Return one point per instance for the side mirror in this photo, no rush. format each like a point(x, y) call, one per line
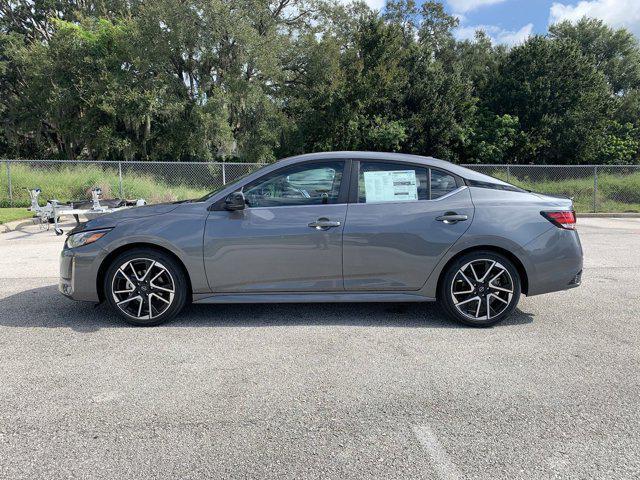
point(235, 201)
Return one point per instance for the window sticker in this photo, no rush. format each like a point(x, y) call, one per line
point(391, 186)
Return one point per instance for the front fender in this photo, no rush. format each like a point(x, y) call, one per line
point(179, 232)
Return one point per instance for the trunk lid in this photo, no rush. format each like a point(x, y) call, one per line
point(560, 201)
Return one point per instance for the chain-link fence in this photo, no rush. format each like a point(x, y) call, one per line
point(593, 188)
point(67, 180)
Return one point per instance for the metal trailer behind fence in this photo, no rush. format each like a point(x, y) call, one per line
point(156, 181)
point(594, 188)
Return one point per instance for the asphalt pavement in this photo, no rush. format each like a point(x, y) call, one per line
point(322, 391)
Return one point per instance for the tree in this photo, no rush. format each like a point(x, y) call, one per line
point(561, 100)
point(493, 138)
point(254, 80)
point(615, 53)
point(440, 97)
point(387, 91)
point(358, 101)
point(621, 144)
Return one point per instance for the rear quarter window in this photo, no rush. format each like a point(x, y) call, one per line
point(442, 183)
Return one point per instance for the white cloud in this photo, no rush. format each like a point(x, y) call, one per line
point(373, 4)
point(461, 18)
point(514, 37)
point(498, 35)
point(617, 13)
point(468, 5)
point(376, 4)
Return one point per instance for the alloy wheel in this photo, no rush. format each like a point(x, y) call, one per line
point(482, 289)
point(143, 289)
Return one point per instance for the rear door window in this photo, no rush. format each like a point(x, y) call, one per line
point(380, 182)
point(391, 182)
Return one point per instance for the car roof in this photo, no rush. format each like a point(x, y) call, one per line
point(401, 157)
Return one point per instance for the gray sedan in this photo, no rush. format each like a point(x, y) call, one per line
point(332, 227)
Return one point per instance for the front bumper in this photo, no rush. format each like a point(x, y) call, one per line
point(79, 272)
point(67, 266)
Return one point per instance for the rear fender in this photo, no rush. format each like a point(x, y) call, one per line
point(470, 243)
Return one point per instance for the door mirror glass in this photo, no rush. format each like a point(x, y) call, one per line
point(235, 201)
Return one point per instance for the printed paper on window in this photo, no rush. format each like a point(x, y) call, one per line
point(391, 186)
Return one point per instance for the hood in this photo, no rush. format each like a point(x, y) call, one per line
point(112, 219)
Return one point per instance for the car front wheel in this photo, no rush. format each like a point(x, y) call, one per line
point(146, 287)
point(480, 289)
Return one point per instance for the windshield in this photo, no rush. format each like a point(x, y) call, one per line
point(222, 187)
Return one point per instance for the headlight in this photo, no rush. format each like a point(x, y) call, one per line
point(85, 238)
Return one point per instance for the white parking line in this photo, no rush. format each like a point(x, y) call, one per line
point(439, 457)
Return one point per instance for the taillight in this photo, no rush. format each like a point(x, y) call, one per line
point(562, 219)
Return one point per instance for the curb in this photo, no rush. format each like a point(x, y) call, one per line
point(11, 226)
point(608, 215)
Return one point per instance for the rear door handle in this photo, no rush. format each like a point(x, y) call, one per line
point(451, 218)
point(324, 224)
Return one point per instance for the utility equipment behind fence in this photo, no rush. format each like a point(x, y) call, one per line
point(51, 212)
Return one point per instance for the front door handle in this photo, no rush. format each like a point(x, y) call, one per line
point(324, 224)
point(450, 218)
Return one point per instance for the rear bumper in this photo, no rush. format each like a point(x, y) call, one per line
point(555, 261)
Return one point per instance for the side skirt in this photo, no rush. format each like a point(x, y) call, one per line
point(309, 297)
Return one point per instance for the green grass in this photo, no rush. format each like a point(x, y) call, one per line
point(616, 193)
point(11, 214)
point(75, 182)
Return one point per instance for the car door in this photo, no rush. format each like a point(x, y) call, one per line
point(289, 236)
point(401, 220)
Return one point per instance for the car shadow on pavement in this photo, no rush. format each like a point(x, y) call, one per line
point(44, 307)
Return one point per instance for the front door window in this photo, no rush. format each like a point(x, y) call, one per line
point(306, 184)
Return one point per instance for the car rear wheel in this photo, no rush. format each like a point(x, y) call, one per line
point(146, 287)
point(480, 289)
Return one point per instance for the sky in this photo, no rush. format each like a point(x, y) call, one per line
point(511, 21)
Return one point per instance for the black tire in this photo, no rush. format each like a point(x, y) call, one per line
point(498, 309)
point(175, 279)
